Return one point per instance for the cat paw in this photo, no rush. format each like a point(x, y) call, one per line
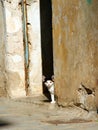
point(53, 101)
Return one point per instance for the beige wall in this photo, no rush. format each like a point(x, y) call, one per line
point(75, 37)
point(14, 50)
point(2, 53)
point(35, 65)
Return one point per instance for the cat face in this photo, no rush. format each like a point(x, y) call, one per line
point(49, 83)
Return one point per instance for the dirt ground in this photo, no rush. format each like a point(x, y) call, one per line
point(36, 113)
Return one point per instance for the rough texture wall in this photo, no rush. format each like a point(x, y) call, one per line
point(2, 53)
point(75, 37)
point(35, 67)
point(12, 59)
point(14, 49)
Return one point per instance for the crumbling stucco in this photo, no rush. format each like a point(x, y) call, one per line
point(85, 98)
point(75, 37)
point(35, 67)
point(2, 53)
point(14, 49)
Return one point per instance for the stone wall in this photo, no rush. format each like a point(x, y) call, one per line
point(15, 74)
point(75, 37)
point(35, 64)
point(14, 49)
point(2, 53)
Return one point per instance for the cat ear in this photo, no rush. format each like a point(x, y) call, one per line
point(52, 77)
point(46, 83)
point(43, 78)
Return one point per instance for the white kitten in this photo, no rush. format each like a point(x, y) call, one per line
point(50, 85)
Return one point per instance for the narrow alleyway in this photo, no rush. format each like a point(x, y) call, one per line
point(38, 114)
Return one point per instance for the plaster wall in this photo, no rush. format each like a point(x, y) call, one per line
point(2, 53)
point(14, 58)
point(35, 64)
point(75, 39)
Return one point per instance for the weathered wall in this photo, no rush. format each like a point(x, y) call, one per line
point(14, 49)
point(75, 37)
point(35, 67)
point(12, 59)
point(2, 53)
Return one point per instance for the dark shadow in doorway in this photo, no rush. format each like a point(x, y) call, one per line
point(46, 41)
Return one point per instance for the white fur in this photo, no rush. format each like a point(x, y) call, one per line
point(50, 85)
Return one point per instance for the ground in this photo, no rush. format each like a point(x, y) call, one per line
point(36, 113)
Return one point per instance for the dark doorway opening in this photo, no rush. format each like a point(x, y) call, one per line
point(46, 41)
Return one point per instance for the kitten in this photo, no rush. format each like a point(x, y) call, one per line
point(50, 85)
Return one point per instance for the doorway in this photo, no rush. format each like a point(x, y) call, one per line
point(46, 41)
